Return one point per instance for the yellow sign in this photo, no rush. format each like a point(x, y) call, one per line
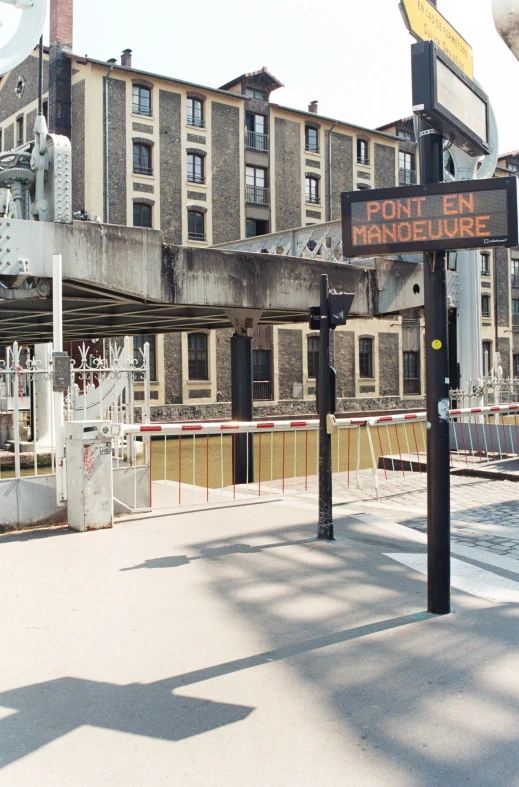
point(437, 345)
point(425, 22)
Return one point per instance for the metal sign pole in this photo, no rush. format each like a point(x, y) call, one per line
point(325, 530)
point(437, 398)
point(59, 434)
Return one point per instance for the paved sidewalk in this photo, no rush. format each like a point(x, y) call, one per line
point(228, 647)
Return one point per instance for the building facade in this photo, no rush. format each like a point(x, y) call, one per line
point(211, 165)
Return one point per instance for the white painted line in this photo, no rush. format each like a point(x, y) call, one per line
point(393, 527)
point(471, 579)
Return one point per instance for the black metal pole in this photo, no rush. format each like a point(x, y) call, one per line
point(241, 406)
point(437, 397)
point(325, 530)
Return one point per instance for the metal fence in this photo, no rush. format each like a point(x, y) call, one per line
point(488, 391)
point(195, 463)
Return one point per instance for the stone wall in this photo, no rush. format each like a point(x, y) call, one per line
point(385, 163)
point(223, 364)
point(78, 146)
point(503, 347)
point(342, 169)
point(287, 172)
point(10, 102)
point(502, 287)
point(117, 151)
point(345, 363)
point(292, 407)
point(173, 368)
point(388, 362)
point(225, 140)
point(290, 361)
point(170, 166)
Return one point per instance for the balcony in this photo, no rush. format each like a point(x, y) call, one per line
point(257, 195)
point(407, 177)
point(255, 141)
point(262, 390)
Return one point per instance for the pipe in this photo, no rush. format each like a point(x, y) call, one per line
point(330, 202)
point(107, 160)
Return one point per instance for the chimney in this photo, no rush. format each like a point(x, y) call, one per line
point(312, 107)
point(126, 58)
point(60, 67)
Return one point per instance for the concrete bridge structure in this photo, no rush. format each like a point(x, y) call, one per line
point(122, 280)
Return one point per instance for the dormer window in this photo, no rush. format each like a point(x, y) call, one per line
point(253, 92)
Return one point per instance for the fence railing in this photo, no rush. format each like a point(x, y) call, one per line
point(258, 195)
point(262, 390)
point(256, 141)
point(196, 462)
point(488, 391)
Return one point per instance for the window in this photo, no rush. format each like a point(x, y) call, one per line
point(46, 110)
point(411, 373)
point(195, 112)
point(363, 186)
point(255, 132)
point(362, 151)
point(253, 93)
point(195, 168)
point(312, 190)
point(138, 352)
point(142, 158)
point(366, 357)
point(512, 167)
point(487, 358)
point(515, 312)
point(515, 272)
point(516, 365)
point(141, 100)
point(485, 264)
point(142, 215)
point(407, 174)
point(257, 227)
point(260, 365)
point(255, 178)
point(311, 139)
point(408, 135)
point(197, 356)
point(485, 305)
point(255, 123)
point(313, 356)
point(195, 225)
point(19, 131)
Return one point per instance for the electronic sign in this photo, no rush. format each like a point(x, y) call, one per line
point(450, 102)
point(470, 214)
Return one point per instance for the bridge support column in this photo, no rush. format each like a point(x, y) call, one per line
point(243, 320)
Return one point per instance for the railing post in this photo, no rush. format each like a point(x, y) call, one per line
point(57, 335)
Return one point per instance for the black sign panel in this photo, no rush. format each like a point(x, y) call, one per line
point(472, 214)
point(449, 101)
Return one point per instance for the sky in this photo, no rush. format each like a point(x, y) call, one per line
point(353, 56)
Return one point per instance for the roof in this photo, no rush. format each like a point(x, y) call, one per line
point(507, 155)
point(140, 72)
point(314, 115)
point(262, 72)
point(395, 122)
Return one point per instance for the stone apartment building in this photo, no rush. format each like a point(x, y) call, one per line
point(211, 165)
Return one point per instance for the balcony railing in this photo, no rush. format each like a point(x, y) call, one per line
point(141, 109)
point(262, 390)
point(312, 199)
point(196, 235)
point(258, 195)
point(363, 160)
point(407, 177)
point(139, 170)
point(198, 122)
point(195, 178)
point(256, 141)
point(310, 148)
